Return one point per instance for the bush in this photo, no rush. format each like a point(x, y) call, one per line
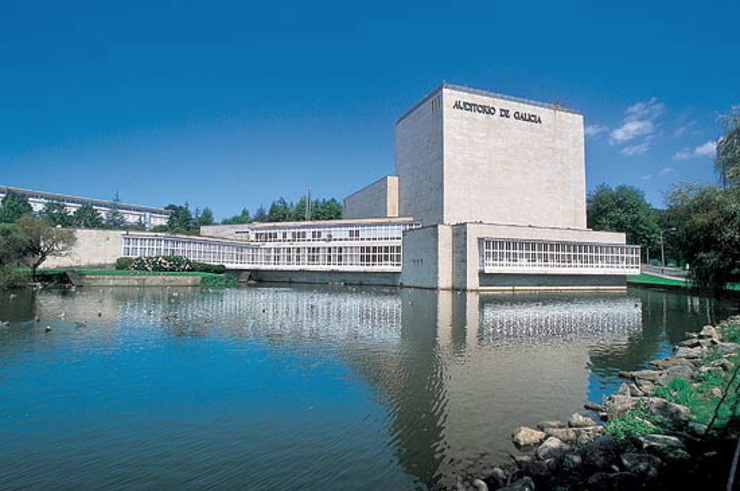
point(167, 263)
point(161, 263)
point(223, 281)
point(635, 422)
point(11, 277)
point(124, 262)
point(209, 268)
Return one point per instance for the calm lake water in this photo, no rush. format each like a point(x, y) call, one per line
point(269, 387)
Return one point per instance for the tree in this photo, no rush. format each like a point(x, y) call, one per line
point(114, 219)
point(180, 219)
point(44, 240)
point(13, 244)
point(206, 217)
point(299, 212)
point(56, 213)
point(242, 217)
point(707, 219)
point(260, 215)
point(13, 206)
point(624, 209)
point(280, 211)
point(13, 249)
point(326, 210)
point(87, 217)
point(727, 162)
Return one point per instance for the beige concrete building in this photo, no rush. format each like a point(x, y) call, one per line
point(489, 194)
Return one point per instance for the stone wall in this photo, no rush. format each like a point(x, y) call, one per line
point(501, 169)
point(427, 257)
point(419, 162)
point(93, 248)
point(377, 200)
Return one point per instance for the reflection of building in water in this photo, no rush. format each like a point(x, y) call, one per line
point(531, 322)
point(293, 314)
point(433, 358)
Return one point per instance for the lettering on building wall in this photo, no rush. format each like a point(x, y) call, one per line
point(501, 112)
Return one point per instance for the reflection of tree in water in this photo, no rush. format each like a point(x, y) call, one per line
point(412, 383)
point(666, 318)
point(17, 305)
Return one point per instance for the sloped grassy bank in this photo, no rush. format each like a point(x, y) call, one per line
point(675, 426)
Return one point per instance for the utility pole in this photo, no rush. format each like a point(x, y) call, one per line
point(308, 204)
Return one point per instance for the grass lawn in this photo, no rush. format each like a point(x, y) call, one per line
point(124, 272)
point(648, 279)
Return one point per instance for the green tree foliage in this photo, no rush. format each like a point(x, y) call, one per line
point(205, 217)
point(280, 211)
point(180, 219)
point(624, 209)
point(329, 209)
point(13, 244)
point(56, 213)
point(708, 232)
point(114, 219)
point(242, 217)
point(13, 206)
point(727, 163)
point(44, 240)
point(13, 249)
point(87, 217)
point(260, 215)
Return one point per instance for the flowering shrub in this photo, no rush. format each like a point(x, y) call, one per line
point(166, 264)
point(161, 263)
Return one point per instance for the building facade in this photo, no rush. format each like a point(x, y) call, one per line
point(134, 214)
point(489, 194)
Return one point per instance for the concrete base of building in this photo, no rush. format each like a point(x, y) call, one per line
point(508, 282)
point(322, 277)
point(135, 280)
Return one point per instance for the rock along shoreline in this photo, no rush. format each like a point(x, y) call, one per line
point(642, 441)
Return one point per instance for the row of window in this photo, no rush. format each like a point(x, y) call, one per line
point(94, 203)
point(384, 256)
point(391, 231)
point(503, 253)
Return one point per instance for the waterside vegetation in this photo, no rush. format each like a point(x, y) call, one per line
point(673, 426)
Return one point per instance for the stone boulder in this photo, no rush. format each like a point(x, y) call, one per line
point(618, 404)
point(724, 364)
point(567, 435)
point(584, 436)
point(523, 484)
point(601, 454)
point(524, 436)
point(679, 371)
point(553, 448)
point(651, 375)
point(689, 353)
point(550, 423)
point(708, 332)
point(661, 442)
point(670, 410)
point(641, 464)
point(617, 481)
point(670, 362)
point(578, 421)
point(728, 348)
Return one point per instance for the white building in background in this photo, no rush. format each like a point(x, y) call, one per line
point(489, 193)
point(133, 214)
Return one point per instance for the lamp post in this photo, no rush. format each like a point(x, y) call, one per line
point(662, 247)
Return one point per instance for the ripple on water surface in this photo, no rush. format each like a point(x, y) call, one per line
point(313, 387)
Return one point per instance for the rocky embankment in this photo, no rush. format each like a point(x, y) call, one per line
point(647, 441)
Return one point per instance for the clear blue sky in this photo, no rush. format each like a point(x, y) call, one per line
point(233, 104)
